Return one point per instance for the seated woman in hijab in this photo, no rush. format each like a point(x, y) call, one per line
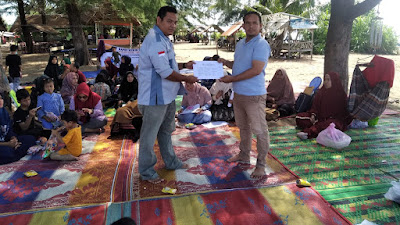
point(128, 90)
point(195, 105)
point(12, 147)
point(65, 67)
point(329, 106)
point(101, 87)
point(68, 88)
point(52, 70)
point(89, 108)
point(280, 94)
point(221, 109)
point(125, 66)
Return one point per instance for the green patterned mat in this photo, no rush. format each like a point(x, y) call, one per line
point(353, 179)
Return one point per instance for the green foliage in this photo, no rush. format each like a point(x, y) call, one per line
point(320, 34)
point(215, 36)
point(296, 7)
point(240, 34)
point(389, 41)
point(360, 37)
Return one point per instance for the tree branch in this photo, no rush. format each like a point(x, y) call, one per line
point(362, 8)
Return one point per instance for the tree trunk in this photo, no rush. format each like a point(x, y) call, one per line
point(24, 27)
point(80, 45)
point(343, 13)
point(338, 40)
point(42, 8)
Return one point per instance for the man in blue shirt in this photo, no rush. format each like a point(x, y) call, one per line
point(159, 83)
point(250, 61)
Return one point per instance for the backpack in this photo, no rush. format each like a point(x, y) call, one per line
point(303, 102)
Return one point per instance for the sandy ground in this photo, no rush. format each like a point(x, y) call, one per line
point(300, 71)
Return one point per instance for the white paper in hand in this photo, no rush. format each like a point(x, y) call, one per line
point(191, 109)
point(208, 70)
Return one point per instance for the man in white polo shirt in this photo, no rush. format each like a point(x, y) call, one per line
point(159, 83)
point(250, 61)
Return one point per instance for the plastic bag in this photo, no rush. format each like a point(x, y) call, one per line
point(357, 124)
point(334, 138)
point(394, 192)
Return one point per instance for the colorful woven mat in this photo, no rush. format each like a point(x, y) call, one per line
point(97, 177)
point(286, 204)
point(206, 151)
point(353, 179)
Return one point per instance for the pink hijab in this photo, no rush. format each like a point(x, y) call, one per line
point(68, 89)
point(200, 95)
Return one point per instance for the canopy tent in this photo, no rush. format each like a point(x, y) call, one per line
point(116, 41)
point(280, 27)
point(210, 29)
point(45, 28)
point(230, 43)
point(197, 29)
point(235, 27)
point(53, 22)
point(216, 27)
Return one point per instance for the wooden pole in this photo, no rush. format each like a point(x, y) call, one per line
point(130, 36)
point(95, 32)
point(312, 44)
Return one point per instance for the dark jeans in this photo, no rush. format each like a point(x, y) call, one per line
point(9, 155)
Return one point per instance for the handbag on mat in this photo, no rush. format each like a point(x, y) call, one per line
point(271, 114)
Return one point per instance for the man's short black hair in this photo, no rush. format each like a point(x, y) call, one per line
point(250, 13)
point(162, 12)
point(70, 115)
point(22, 94)
point(13, 48)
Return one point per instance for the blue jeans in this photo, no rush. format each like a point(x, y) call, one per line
point(203, 117)
point(158, 122)
point(16, 81)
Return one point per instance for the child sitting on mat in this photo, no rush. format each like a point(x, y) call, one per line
point(72, 140)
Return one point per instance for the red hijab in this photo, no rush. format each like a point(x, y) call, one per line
point(92, 100)
point(331, 102)
point(281, 89)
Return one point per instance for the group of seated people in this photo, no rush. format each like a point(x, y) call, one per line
point(329, 104)
point(60, 104)
point(79, 107)
point(212, 100)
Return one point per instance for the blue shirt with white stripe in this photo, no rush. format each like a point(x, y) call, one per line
point(156, 63)
point(256, 49)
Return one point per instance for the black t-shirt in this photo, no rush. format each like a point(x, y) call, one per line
point(19, 117)
point(13, 61)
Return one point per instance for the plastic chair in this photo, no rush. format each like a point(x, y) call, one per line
point(316, 82)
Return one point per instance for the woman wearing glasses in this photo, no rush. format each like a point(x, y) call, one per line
point(89, 108)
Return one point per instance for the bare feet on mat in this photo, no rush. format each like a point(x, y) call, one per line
point(302, 135)
point(258, 173)
point(156, 181)
point(237, 158)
